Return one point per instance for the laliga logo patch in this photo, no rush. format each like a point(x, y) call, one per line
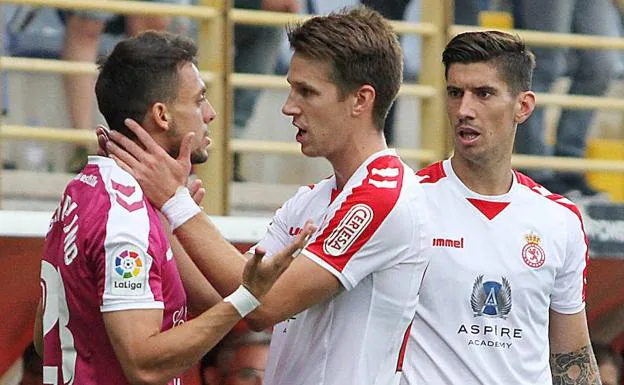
point(532, 253)
point(128, 264)
point(129, 273)
point(350, 228)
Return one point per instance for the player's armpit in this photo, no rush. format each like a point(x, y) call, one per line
point(572, 360)
point(577, 367)
point(302, 285)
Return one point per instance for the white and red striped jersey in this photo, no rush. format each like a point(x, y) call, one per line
point(105, 250)
point(369, 237)
point(498, 265)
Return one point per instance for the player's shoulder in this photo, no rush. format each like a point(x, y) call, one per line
point(431, 174)
point(126, 201)
point(553, 202)
point(387, 172)
point(104, 175)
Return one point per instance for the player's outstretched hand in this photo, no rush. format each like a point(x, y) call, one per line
point(260, 275)
point(157, 172)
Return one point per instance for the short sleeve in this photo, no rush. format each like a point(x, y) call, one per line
point(130, 251)
point(129, 278)
point(377, 226)
point(568, 296)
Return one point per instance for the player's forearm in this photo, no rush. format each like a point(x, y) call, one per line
point(200, 295)
point(168, 354)
point(578, 367)
point(216, 258)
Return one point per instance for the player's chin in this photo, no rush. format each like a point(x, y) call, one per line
point(468, 152)
point(310, 151)
point(199, 156)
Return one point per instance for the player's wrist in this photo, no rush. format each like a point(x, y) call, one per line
point(180, 208)
point(243, 301)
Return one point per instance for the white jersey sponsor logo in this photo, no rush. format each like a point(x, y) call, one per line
point(350, 228)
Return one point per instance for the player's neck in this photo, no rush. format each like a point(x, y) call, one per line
point(491, 179)
point(347, 161)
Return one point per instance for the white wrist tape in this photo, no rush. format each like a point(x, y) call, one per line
point(243, 301)
point(180, 208)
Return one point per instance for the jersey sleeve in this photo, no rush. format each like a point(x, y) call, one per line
point(129, 256)
point(568, 296)
point(372, 230)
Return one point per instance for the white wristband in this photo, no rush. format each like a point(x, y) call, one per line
point(180, 208)
point(243, 301)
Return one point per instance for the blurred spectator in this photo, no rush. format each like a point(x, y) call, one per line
point(591, 75)
point(240, 359)
point(609, 364)
point(256, 50)
point(83, 30)
point(465, 12)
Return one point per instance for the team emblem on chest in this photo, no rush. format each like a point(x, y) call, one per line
point(491, 298)
point(532, 253)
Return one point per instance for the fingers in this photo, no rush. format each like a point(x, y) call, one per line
point(302, 238)
point(102, 137)
point(259, 253)
point(252, 265)
point(197, 191)
point(186, 146)
point(119, 153)
point(293, 249)
point(143, 136)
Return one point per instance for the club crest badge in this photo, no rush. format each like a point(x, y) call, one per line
point(532, 253)
point(491, 298)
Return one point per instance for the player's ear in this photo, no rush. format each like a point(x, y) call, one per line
point(161, 116)
point(524, 106)
point(363, 100)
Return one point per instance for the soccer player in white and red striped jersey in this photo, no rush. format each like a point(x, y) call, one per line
point(343, 308)
point(114, 307)
point(503, 298)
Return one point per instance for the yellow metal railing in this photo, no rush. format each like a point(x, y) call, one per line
point(216, 19)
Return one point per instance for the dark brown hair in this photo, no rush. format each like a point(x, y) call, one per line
point(361, 47)
point(512, 58)
point(139, 72)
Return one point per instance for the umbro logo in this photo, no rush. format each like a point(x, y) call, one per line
point(448, 242)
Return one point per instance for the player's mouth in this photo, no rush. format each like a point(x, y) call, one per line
point(467, 135)
point(300, 133)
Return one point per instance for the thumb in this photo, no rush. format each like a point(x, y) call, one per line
point(259, 253)
point(185, 147)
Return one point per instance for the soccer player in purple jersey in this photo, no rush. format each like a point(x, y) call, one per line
point(115, 290)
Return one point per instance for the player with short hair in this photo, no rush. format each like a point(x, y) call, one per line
point(505, 288)
point(343, 309)
point(114, 307)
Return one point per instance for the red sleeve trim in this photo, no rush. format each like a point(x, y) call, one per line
point(432, 173)
point(561, 200)
point(361, 213)
point(401, 359)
